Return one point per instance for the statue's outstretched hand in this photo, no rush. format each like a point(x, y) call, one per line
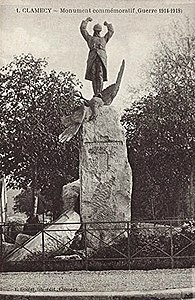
point(89, 19)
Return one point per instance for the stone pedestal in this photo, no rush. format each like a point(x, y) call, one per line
point(106, 178)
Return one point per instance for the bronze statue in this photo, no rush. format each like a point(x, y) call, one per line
point(97, 73)
point(97, 58)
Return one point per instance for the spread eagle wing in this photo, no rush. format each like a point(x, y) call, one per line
point(110, 92)
point(72, 124)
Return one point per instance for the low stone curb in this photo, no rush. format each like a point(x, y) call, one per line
point(169, 294)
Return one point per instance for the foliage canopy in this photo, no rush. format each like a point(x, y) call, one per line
point(32, 103)
point(160, 130)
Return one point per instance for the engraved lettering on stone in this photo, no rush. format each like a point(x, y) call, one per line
point(105, 143)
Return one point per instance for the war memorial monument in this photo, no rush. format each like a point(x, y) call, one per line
point(105, 179)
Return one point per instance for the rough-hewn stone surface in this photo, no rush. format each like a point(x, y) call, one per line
point(21, 238)
point(55, 236)
point(70, 196)
point(7, 248)
point(105, 175)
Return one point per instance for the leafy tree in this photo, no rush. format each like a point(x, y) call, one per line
point(24, 203)
point(161, 132)
point(32, 103)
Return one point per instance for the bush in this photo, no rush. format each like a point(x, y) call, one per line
point(156, 247)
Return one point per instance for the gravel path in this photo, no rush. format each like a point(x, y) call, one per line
point(101, 281)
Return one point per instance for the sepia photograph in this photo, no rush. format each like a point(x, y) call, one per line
point(97, 149)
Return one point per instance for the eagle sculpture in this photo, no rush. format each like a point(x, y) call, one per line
point(73, 122)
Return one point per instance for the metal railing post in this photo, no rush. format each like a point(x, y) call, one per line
point(43, 247)
point(171, 240)
point(85, 245)
point(128, 246)
point(1, 248)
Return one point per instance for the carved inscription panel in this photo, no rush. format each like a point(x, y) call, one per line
point(100, 155)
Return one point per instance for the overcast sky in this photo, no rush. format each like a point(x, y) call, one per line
point(56, 35)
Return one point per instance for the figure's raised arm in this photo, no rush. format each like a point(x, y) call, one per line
point(110, 31)
point(83, 28)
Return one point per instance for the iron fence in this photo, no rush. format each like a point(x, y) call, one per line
point(100, 245)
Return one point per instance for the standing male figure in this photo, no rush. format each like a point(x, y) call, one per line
point(97, 58)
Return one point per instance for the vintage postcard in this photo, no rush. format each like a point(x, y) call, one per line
point(97, 148)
